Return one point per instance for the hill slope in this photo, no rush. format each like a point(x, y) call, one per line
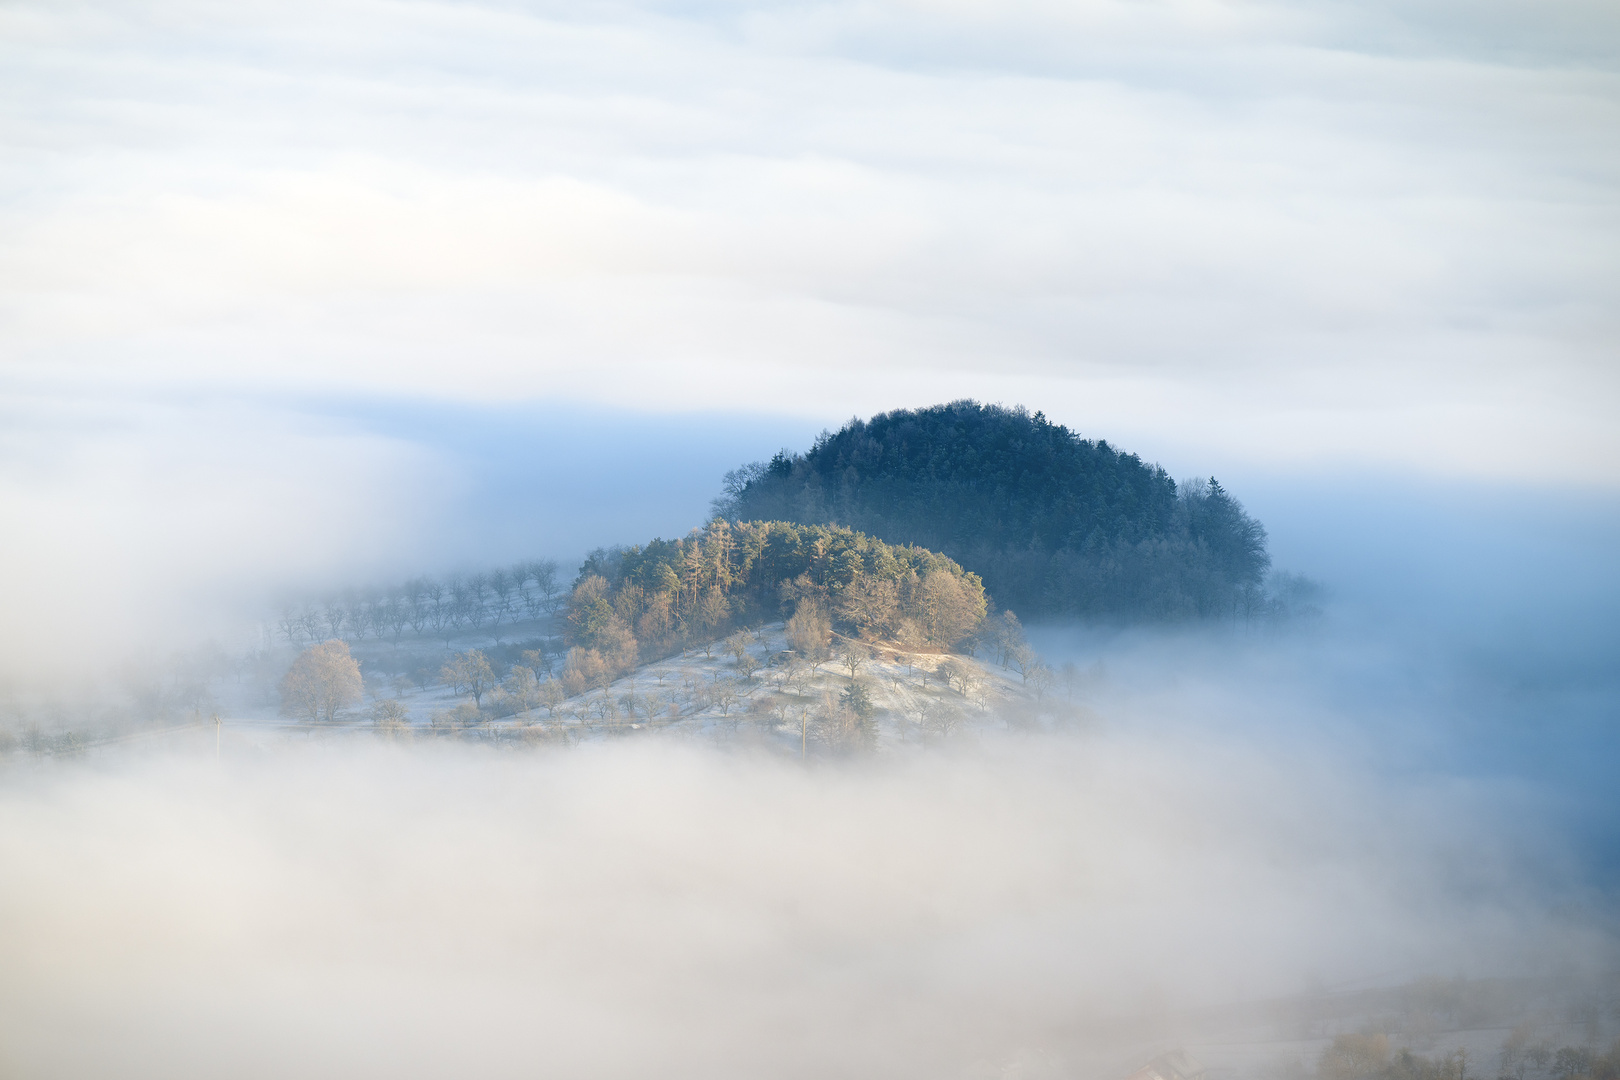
point(1053, 523)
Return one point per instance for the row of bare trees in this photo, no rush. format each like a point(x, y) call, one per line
point(526, 590)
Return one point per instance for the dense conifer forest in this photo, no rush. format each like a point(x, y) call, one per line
point(1055, 524)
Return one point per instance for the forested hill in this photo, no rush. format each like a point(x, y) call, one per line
point(1054, 524)
point(632, 605)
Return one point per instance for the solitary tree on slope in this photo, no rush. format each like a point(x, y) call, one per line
point(324, 679)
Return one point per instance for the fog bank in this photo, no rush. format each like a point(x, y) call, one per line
point(1039, 905)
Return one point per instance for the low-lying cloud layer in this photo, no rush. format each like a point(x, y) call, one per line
point(1050, 905)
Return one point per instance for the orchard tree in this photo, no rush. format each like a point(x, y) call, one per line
point(324, 679)
point(333, 615)
point(653, 706)
point(943, 719)
point(395, 616)
point(952, 673)
point(390, 716)
point(501, 584)
point(552, 695)
point(287, 624)
point(435, 605)
point(544, 573)
point(469, 673)
point(523, 687)
point(1041, 678)
point(415, 594)
point(724, 695)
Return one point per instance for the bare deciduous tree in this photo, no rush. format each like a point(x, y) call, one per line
point(952, 672)
point(523, 687)
point(469, 673)
point(415, 594)
point(551, 590)
point(358, 616)
point(287, 624)
point(333, 615)
point(552, 695)
point(1041, 678)
point(500, 585)
point(724, 694)
point(1023, 659)
point(390, 716)
point(395, 616)
point(942, 719)
point(538, 659)
point(309, 621)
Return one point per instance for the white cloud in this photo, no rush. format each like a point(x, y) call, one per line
point(1291, 210)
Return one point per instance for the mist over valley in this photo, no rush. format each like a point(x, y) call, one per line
point(911, 838)
point(1011, 541)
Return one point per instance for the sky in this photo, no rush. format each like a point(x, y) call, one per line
point(301, 292)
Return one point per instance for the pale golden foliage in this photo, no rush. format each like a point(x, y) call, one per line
point(323, 680)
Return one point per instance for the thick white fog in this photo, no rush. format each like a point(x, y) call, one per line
point(1046, 905)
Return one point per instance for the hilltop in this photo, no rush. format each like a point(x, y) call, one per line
point(1053, 523)
point(643, 602)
